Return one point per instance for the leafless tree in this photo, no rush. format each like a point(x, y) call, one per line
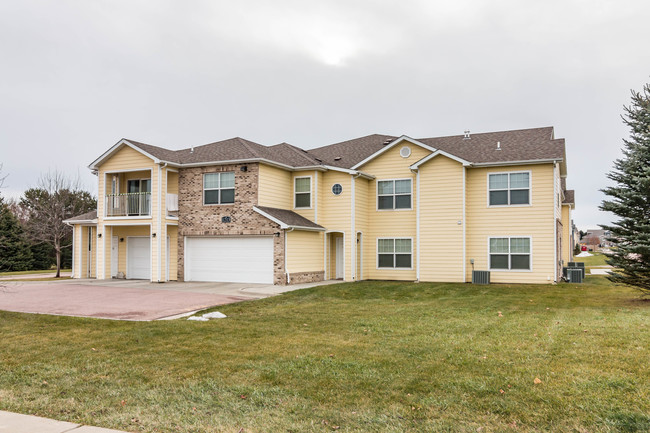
point(2, 178)
point(55, 199)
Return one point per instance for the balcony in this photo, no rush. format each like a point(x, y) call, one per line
point(133, 204)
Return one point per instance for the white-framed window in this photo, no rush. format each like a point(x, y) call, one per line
point(219, 188)
point(337, 189)
point(302, 192)
point(394, 194)
point(394, 253)
point(510, 253)
point(507, 189)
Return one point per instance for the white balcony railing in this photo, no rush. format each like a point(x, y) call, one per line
point(129, 204)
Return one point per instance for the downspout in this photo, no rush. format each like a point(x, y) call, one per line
point(286, 268)
point(160, 213)
point(417, 224)
point(554, 223)
point(464, 228)
point(353, 232)
point(316, 196)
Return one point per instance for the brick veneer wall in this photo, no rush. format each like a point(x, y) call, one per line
point(306, 277)
point(195, 219)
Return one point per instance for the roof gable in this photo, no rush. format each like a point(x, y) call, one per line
point(116, 148)
point(388, 146)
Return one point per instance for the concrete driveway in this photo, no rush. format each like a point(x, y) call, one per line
point(128, 299)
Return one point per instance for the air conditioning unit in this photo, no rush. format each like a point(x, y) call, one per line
point(480, 277)
point(575, 275)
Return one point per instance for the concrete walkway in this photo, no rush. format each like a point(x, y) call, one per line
point(17, 423)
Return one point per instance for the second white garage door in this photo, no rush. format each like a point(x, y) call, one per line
point(237, 260)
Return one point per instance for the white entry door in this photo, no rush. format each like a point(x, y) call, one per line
point(339, 258)
point(235, 259)
point(138, 258)
point(115, 247)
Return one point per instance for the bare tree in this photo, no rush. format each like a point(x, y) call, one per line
point(2, 178)
point(55, 199)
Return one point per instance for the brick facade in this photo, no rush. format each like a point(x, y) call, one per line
point(306, 277)
point(196, 219)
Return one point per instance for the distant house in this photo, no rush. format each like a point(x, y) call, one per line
point(599, 234)
point(377, 207)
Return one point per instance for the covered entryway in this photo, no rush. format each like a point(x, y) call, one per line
point(138, 257)
point(229, 259)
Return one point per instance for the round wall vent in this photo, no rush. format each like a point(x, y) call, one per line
point(405, 152)
point(337, 189)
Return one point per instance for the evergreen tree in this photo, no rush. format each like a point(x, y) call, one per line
point(630, 199)
point(15, 253)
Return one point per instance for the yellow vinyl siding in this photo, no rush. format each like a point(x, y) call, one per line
point(83, 253)
point(391, 223)
point(441, 208)
point(275, 188)
point(304, 251)
point(334, 214)
point(172, 182)
point(123, 232)
point(536, 221)
point(308, 213)
point(567, 248)
point(172, 232)
point(364, 248)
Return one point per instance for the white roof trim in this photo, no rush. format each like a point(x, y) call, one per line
point(393, 144)
point(436, 153)
point(117, 146)
point(282, 224)
point(524, 162)
point(76, 222)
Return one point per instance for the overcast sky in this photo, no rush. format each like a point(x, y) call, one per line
point(76, 76)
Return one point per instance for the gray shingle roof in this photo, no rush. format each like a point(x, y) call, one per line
point(518, 145)
point(88, 216)
point(569, 197)
point(290, 218)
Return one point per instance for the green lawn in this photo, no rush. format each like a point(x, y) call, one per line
point(598, 259)
point(357, 357)
point(46, 271)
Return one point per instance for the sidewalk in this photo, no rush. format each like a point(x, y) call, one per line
point(16, 423)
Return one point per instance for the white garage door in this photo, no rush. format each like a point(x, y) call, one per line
point(237, 260)
point(138, 258)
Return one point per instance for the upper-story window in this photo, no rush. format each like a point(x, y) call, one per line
point(302, 192)
point(394, 194)
point(219, 188)
point(509, 188)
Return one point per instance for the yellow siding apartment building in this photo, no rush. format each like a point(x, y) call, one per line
point(377, 207)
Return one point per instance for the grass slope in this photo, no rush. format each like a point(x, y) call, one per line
point(358, 357)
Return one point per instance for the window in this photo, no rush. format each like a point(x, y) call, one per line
point(394, 194)
point(509, 253)
point(394, 253)
point(509, 188)
point(302, 192)
point(337, 189)
point(219, 188)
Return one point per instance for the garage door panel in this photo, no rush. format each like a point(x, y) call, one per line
point(138, 256)
point(238, 260)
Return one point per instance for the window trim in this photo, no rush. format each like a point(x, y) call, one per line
point(218, 189)
point(377, 267)
point(530, 188)
point(393, 209)
point(311, 192)
point(530, 254)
